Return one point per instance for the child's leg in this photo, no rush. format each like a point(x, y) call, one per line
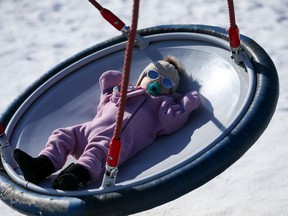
point(64, 142)
point(71, 178)
point(61, 143)
point(36, 169)
point(87, 169)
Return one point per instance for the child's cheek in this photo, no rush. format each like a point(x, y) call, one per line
point(144, 83)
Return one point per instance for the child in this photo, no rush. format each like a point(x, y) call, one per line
point(153, 108)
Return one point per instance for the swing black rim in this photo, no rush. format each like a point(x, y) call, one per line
point(191, 175)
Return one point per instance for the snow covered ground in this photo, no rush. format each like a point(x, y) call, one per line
point(36, 35)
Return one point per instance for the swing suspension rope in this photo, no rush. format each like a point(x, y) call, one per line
point(233, 33)
point(113, 157)
point(110, 17)
point(231, 11)
point(126, 75)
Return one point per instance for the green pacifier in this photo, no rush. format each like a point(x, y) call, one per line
point(154, 88)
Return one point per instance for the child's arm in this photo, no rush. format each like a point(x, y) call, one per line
point(107, 81)
point(173, 115)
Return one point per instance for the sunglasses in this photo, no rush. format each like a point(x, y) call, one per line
point(165, 82)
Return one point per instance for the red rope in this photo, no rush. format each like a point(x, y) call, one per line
point(108, 15)
point(127, 66)
point(115, 144)
point(97, 5)
point(231, 14)
point(234, 36)
point(2, 130)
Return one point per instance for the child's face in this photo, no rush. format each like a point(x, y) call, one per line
point(156, 84)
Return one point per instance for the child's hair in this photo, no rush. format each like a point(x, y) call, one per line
point(172, 60)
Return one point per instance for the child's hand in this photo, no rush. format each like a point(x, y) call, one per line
point(191, 100)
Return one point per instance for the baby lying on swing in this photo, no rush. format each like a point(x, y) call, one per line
point(153, 108)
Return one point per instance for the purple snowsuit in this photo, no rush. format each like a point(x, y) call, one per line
point(145, 118)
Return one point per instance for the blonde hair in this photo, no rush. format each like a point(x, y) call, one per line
point(172, 60)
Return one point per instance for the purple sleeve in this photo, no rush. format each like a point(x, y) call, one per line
point(173, 115)
point(107, 81)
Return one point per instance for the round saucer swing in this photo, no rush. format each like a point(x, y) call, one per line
point(238, 94)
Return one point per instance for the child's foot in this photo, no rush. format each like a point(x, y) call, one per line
point(36, 169)
point(71, 178)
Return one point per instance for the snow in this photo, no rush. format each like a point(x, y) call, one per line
point(37, 35)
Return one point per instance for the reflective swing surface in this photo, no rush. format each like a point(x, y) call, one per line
point(71, 94)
